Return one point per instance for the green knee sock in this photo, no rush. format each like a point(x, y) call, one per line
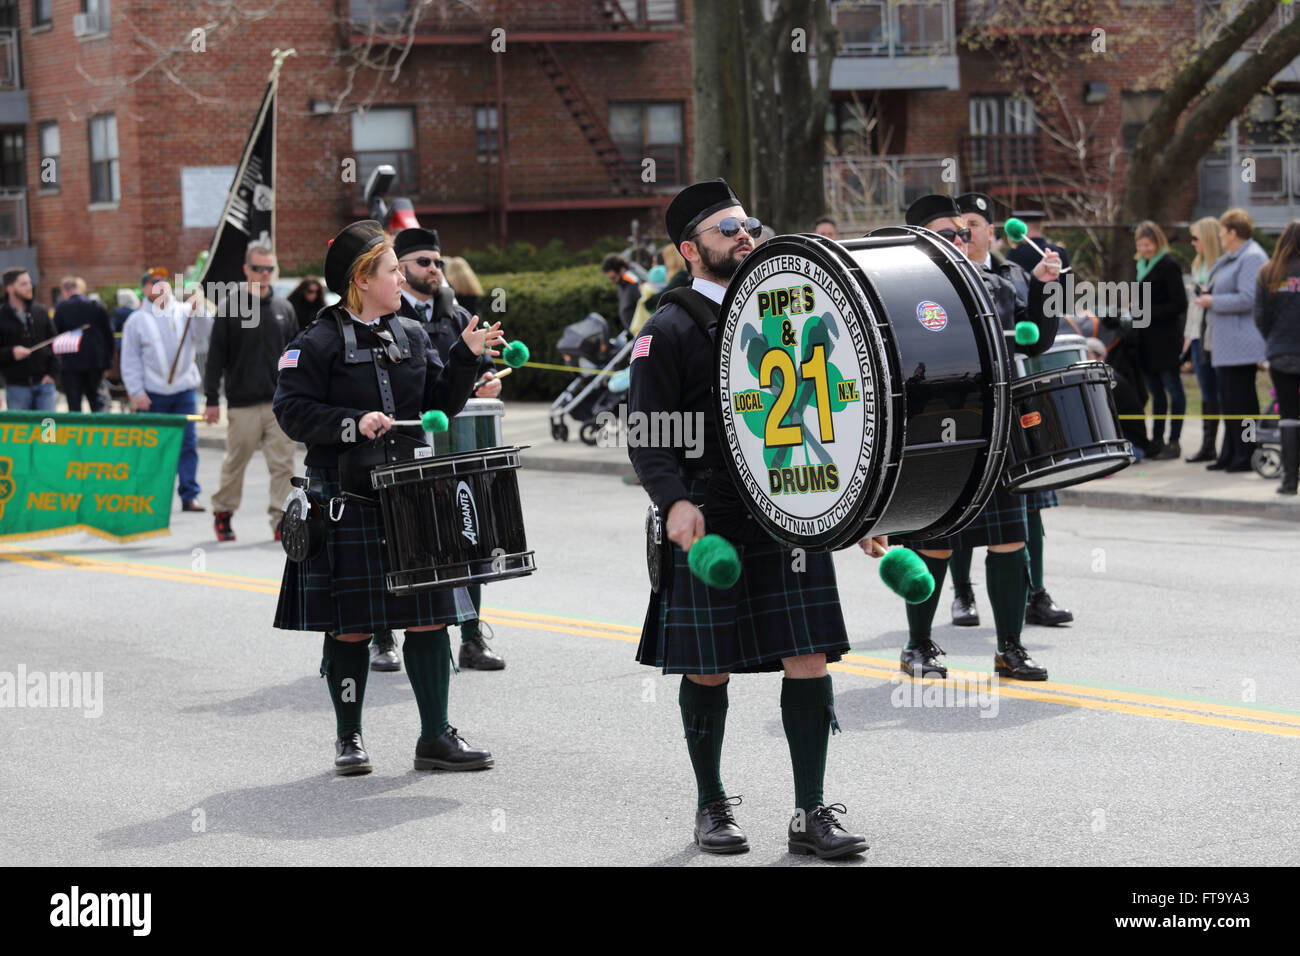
point(470, 629)
point(704, 717)
point(921, 616)
point(1008, 590)
point(345, 666)
point(1034, 548)
point(959, 564)
point(807, 714)
point(428, 665)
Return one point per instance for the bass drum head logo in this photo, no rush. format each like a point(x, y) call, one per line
point(931, 315)
point(468, 513)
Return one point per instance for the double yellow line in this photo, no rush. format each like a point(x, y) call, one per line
point(1204, 713)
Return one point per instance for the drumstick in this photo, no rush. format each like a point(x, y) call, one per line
point(497, 377)
point(1018, 232)
point(713, 559)
point(431, 421)
point(1025, 333)
point(906, 575)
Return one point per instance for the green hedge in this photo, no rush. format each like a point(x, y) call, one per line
point(537, 307)
point(525, 257)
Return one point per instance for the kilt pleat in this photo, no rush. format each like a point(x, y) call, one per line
point(772, 612)
point(1038, 500)
point(1001, 521)
point(342, 589)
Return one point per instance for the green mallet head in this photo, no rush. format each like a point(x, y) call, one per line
point(1026, 333)
point(714, 561)
point(515, 354)
point(1015, 229)
point(906, 575)
point(434, 421)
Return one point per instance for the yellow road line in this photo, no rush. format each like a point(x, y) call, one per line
point(1070, 695)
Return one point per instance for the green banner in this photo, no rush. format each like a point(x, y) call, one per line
point(111, 475)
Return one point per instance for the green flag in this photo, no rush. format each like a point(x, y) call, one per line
point(111, 475)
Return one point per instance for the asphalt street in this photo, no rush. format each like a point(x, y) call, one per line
point(1168, 733)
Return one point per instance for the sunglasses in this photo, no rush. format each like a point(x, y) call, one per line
point(393, 353)
point(731, 226)
point(424, 262)
point(951, 234)
point(265, 270)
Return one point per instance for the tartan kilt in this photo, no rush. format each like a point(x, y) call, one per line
point(772, 612)
point(1038, 500)
point(1001, 521)
point(342, 589)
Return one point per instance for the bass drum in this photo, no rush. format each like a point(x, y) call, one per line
point(863, 387)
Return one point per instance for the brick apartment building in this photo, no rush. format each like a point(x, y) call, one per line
point(118, 134)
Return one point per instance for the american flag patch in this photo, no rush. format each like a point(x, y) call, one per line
point(642, 347)
point(288, 360)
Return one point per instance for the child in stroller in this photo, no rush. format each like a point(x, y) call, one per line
point(602, 382)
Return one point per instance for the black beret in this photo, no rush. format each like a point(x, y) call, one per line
point(412, 240)
point(346, 248)
point(929, 208)
point(694, 204)
point(977, 204)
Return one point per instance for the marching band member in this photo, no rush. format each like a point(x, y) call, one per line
point(1001, 524)
point(343, 382)
point(773, 618)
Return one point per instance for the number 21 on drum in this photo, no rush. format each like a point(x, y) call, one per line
point(776, 434)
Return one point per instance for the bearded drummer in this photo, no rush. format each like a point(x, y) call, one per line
point(343, 382)
point(1001, 525)
point(774, 618)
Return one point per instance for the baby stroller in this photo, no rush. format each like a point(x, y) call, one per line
point(1266, 459)
point(601, 384)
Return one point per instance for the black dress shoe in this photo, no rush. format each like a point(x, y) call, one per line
point(964, 612)
point(1041, 610)
point(450, 752)
point(476, 655)
point(1015, 662)
point(822, 834)
point(1169, 451)
point(1217, 465)
point(383, 652)
point(1237, 467)
point(922, 659)
point(716, 830)
point(350, 755)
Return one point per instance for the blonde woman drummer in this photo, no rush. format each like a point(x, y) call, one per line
point(343, 383)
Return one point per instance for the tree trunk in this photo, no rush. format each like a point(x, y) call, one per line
point(721, 134)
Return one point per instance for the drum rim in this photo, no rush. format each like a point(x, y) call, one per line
point(509, 454)
point(883, 375)
point(1121, 454)
point(1085, 371)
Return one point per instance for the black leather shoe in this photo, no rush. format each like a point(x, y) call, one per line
point(964, 612)
point(1155, 447)
point(1205, 453)
point(716, 830)
point(1169, 451)
point(1217, 465)
point(1239, 466)
point(383, 652)
point(476, 655)
point(922, 659)
point(1041, 610)
point(450, 752)
point(822, 834)
point(1015, 662)
point(350, 755)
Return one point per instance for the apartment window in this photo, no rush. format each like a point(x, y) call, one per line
point(485, 133)
point(104, 185)
point(386, 134)
point(96, 13)
point(49, 172)
point(1136, 108)
point(650, 131)
point(13, 159)
point(42, 14)
point(1003, 136)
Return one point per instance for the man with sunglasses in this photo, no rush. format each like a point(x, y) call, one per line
point(1001, 525)
point(429, 299)
point(250, 332)
point(775, 618)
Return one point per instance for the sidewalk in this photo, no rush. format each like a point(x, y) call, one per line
point(1148, 485)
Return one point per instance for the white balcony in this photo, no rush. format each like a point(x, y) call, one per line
point(863, 192)
point(895, 45)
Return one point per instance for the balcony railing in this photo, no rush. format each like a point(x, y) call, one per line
point(459, 18)
point(1275, 190)
point(1217, 13)
point(865, 191)
point(10, 77)
point(895, 27)
point(13, 217)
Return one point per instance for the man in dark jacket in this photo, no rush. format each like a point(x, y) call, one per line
point(250, 333)
point(28, 375)
point(1025, 255)
point(83, 369)
point(618, 272)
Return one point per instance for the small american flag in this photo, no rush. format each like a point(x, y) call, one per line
point(642, 347)
point(289, 360)
point(67, 343)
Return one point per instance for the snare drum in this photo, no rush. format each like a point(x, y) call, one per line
point(1064, 429)
point(1066, 350)
point(453, 520)
point(863, 387)
point(476, 426)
